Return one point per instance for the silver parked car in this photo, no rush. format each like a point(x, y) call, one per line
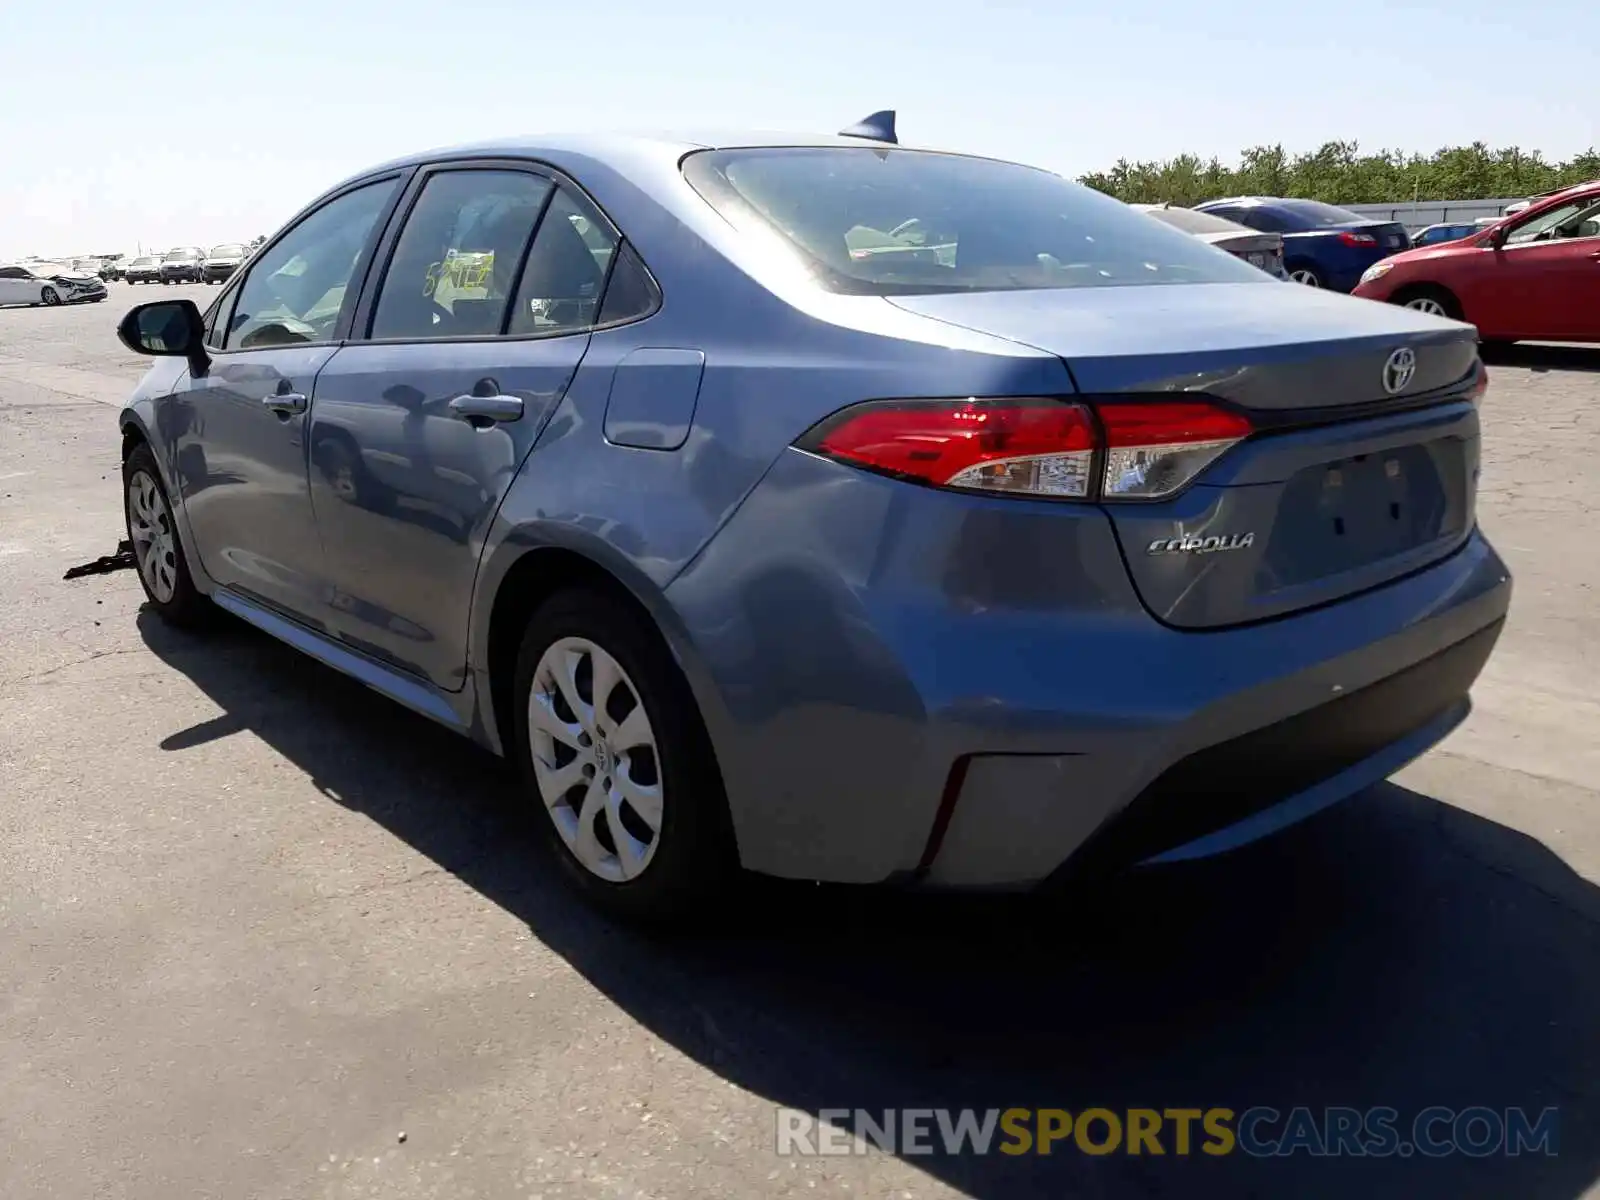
point(222, 261)
point(1257, 247)
point(144, 268)
point(1045, 542)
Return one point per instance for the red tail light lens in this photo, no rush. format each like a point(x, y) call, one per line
point(1037, 447)
point(1153, 450)
point(1358, 239)
point(1033, 447)
point(1480, 384)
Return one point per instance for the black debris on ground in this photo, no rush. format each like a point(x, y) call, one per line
point(104, 565)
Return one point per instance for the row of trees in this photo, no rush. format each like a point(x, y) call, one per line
point(1340, 174)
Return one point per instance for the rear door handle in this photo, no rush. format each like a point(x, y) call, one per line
point(484, 410)
point(285, 403)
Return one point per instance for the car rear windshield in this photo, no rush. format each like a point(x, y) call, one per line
point(1196, 223)
point(880, 221)
point(1317, 214)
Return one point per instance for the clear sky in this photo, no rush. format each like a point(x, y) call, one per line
point(183, 123)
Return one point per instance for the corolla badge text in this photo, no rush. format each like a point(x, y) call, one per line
point(1194, 543)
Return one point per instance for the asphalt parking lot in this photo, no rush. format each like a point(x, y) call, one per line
point(257, 922)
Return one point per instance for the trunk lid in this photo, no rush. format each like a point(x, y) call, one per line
point(1263, 250)
point(1392, 235)
point(1344, 486)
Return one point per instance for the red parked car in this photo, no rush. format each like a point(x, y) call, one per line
point(1535, 275)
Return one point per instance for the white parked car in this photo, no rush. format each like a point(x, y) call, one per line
point(48, 283)
point(1257, 247)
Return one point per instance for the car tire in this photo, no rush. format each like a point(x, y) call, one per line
point(1429, 298)
point(158, 550)
point(1307, 275)
point(49, 297)
point(591, 824)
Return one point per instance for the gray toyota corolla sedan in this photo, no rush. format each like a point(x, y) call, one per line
point(825, 507)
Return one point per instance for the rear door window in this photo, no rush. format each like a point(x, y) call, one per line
point(1263, 219)
point(455, 264)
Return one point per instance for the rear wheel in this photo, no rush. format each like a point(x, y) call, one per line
point(1307, 274)
point(157, 549)
point(1427, 298)
point(610, 745)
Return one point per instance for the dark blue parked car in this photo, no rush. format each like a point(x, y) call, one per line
point(1324, 246)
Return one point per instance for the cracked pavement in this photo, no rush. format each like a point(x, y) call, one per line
point(255, 921)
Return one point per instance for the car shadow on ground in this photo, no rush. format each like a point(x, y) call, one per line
point(1395, 952)
point(1539, 357)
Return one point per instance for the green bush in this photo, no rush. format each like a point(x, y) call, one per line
point(1340, 174)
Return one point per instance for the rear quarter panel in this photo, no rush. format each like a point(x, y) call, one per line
point(780, 354)
point(1340, 265)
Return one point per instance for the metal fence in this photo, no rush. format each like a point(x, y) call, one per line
point(1423, 213)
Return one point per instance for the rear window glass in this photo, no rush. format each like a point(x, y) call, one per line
point(1193, 222)
point(1316, 213)
point(877, 221)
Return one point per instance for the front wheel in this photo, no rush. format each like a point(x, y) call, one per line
point(49, 297)
point(157, 549)
point(612, 749)
point(1428, 298)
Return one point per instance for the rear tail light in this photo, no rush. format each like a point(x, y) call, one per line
point(1153, 450)
point(1480, 384)
point(1357, 239)
point(1035, 446)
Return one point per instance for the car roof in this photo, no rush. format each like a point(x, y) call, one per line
point(1575, 187)
point(1264, 201)
point(1247, 201)
point(617, 149)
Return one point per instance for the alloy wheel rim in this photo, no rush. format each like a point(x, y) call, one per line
point(51, 297)
point(155, 546)
point(1309, 278)
point(595, 759)
point(1427, 304)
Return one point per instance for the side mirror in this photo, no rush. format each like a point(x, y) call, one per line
point(1497, 238)
point(167, 329)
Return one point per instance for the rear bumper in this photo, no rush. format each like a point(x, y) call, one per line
point(1247, 787)
point(899, 687)
point(1251, 772)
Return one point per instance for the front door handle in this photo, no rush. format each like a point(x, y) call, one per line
point(285, 403)
point(483, 410)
